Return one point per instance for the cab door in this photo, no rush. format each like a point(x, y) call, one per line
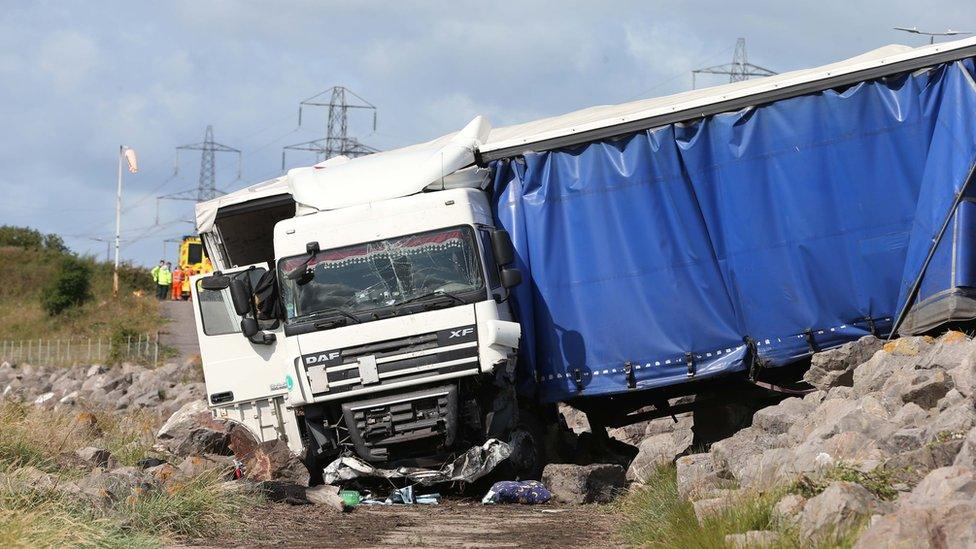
point(234, 368)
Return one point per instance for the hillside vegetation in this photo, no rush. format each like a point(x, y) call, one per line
point(50, 497)
point(29, 264)
point(79, 466)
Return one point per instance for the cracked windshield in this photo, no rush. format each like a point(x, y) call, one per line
point(380, 274)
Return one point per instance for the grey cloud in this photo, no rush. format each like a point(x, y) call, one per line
point(81, 78)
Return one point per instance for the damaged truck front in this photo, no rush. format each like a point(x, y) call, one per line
point(380, 325)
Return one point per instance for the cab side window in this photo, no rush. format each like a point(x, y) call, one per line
point(490, 265)
point(217, 310)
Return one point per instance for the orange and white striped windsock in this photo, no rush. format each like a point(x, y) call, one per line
point(130, 158)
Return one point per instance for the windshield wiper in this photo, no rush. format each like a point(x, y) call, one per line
point(330, 311)
point(439, 293)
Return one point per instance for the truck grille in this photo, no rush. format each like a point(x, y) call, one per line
point(393, 361)
point(394, 427)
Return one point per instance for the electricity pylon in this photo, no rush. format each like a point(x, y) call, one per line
point(738, 70)
point(337, 141)
point(207, 186)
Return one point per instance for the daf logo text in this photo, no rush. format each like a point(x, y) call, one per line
point(322, 357)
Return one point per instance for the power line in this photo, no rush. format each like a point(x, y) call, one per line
point(154, 229)
point(265, 128)
point(149, 194)
point(206, 177)
point(932, 35)
point(97, 226)
point(675, 76)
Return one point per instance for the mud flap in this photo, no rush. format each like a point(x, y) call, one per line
point(477, 462)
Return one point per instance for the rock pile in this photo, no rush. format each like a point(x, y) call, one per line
point(898, 420)
point(190, 442)
point(127, 387)
point(203, 443)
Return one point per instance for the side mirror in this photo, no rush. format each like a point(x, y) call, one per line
point(250, 327)
point(300, 273)
point(501, 247)
point(215, 282)
point(240, 294)
point(510, 278)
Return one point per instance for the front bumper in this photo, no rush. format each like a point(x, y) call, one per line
point(403, 426)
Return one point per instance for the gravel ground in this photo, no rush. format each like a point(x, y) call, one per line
point(453, 523)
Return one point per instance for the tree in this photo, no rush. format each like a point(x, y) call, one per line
point(31, 239)
point(71, 286)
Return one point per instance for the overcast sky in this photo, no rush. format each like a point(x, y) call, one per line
point(76, 81)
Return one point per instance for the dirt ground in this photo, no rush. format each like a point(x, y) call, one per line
point(452, 523)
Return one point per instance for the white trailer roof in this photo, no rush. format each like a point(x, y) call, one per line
point(610, 120)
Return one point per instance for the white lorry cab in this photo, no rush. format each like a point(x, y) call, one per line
point(359, 307)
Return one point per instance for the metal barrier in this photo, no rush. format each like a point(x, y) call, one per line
point(140, 348)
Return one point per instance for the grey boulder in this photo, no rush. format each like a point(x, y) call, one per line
point(835, 367)
point(840, 506)
point(599, 483)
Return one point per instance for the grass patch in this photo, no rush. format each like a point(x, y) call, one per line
point(31, 438)
point(129, 438)
point(36, 516)
point(655, 516)
point(190, 509)
point(877, 481)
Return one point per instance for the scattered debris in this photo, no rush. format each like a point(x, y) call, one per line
point(350, 497)
point(526, 492)
point(284, 492)
point(327, 495)
point(403, 496)
point(469, 467)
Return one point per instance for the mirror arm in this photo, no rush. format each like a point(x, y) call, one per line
point(263, 338)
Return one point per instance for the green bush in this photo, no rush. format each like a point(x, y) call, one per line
point(70, 287)
point(131, 277)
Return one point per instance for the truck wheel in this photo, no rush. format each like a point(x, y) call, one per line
point(315, 466)
point(528, 444)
